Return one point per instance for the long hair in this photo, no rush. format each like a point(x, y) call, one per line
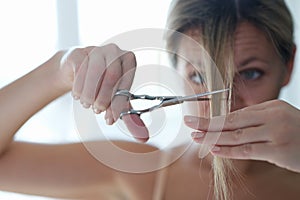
point(216, 20)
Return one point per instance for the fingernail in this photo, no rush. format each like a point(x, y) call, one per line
point(76, 97)
point(86, 105)
point(216, 149)
point(197, 134)
point(190, 119)
point(109, 121)
point(97, 110)
point(142, 140)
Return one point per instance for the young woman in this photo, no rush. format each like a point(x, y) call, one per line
point(261, 134)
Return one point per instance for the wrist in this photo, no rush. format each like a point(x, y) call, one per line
point(58, 78)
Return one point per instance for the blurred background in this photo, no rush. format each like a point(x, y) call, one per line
point(33, 30)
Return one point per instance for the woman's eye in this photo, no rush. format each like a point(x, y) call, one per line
point(251, 74)
point(197, 78)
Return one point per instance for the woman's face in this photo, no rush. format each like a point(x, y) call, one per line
point(260, 72)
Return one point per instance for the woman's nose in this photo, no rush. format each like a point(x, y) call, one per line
point(238, 99)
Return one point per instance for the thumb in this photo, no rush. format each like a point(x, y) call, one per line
point(133, 122)
point(136, 127)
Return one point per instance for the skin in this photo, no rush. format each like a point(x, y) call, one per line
point(69, 171)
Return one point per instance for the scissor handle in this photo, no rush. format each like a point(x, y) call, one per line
point(143, 96)
point(130, 112)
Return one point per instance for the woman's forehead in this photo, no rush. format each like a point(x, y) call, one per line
point(190, 46)
point(249, 41)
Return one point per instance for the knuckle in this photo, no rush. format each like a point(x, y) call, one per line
point(281, 115)
point(71, 55)
point(237, 135)
point(113, 48)
point(246, 150)
point(232, 118)
point(278, 105)
point(280, 102)
point(278, 137)
point(94, 51)
point(275, 103)
point(203, 124)
point(88, 49)
point(75, 58)
point(130, 57)
point(77, 51)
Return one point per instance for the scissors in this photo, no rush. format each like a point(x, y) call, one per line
point(164, 100)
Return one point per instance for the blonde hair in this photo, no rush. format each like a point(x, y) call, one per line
point(216, 20)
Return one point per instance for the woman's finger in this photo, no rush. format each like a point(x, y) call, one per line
point(236, 137)
point(79, 79)
point(112, 75)
point(119, 103)
point(233, 121)
point(129, 67)
point(256, 107)
point(253, 151)
point(136, 127)
point(95, 71)
point(133, 122)
point(75, 63)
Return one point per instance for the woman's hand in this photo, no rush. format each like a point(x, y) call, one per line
point(94, 74)
point(269, 131)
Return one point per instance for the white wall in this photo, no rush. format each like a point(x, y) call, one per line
point(291, 93)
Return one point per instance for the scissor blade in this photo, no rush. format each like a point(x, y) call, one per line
point(196, 97)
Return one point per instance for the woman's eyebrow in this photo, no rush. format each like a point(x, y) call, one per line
point(250, 60)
